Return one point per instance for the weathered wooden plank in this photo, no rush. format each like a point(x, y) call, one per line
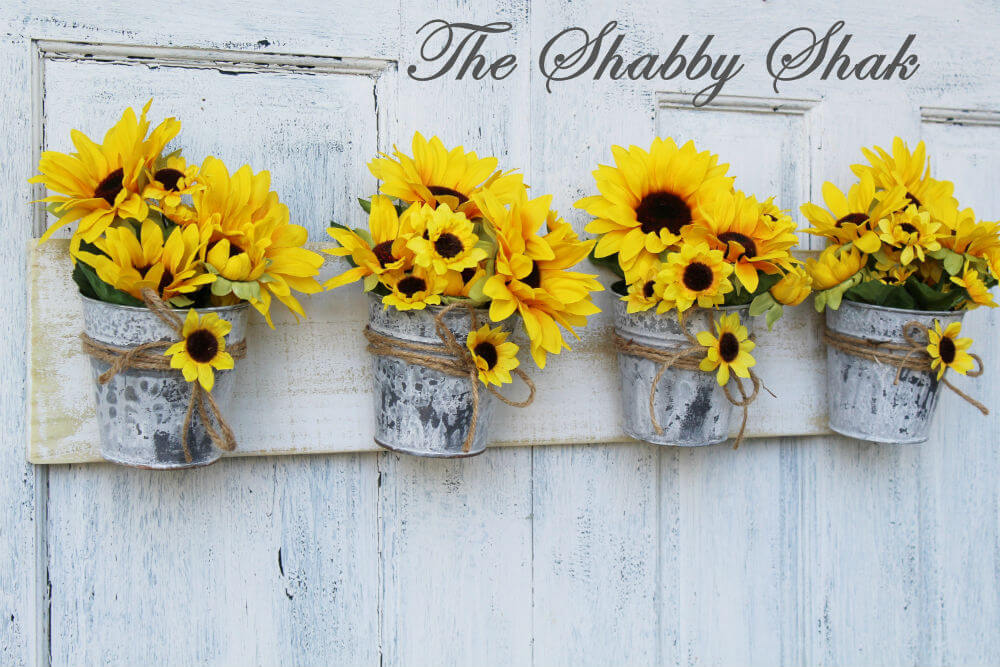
point(596, 548)
point(323, 372)
point(264, 562)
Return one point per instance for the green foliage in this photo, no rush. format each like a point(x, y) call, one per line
point(366, 204)
point(93, 287)
point(764, 304)
point(911, 295)
point(741, 296)
point(610, 263)
point(620, 287)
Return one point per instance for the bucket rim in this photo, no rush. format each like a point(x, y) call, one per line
point(908, 311)
point(375, 298)
point(142, 309)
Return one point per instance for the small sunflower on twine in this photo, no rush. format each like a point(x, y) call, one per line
point(202, 349)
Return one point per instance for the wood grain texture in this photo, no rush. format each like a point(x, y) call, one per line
point(812, 550)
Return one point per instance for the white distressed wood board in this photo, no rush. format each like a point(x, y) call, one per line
point(305, 388)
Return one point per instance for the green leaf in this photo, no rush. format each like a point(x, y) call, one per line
point(953, 263)
point(93, 287)
point(610, 262)
point(181, 301)
point(774, 313)
point(761, 304)
point(476, 294)
point(221, 287)
point(620, 288)
point(366, 235)
point(926, 297)
point(371, 281)
point(366, 204)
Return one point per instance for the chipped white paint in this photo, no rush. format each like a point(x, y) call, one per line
point(816, 550)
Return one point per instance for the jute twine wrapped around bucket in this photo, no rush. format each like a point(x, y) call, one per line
point(141, 358)
point(689, 358)
point(455, 360)
point(912, 355)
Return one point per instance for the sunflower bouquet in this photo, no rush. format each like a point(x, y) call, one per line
point(682, 240)
point(155, 231)
point(903, 260)
point(449, 232)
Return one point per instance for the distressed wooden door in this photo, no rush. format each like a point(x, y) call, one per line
point(789, 551)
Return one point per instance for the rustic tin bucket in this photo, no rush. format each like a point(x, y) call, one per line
point(418, 410)
point(140, 413)
point(863, 398)
point(691, 407)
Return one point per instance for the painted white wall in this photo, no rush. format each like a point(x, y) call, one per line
point(790, 551)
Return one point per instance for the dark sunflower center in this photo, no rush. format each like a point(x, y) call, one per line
point(488, 353)
point(946, 348)
point(749, 247)
point(165, 280)
point(169, 177)
point(647, 289)
point(383, 253)
point(854, 219)
point(437, 190)
point(109, 188)
point(202, 346)
point(729, 347)
point(448, 245)
point(467, 275)
point(533, 279)
point(697, 277)
point(908, 228)
point(913, 199)
point(410, 285)
point(659, 210)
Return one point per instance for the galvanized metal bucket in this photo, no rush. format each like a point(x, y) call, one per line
point(418, 410)
point(140, 413)
point(691, 407)
point(863, 398)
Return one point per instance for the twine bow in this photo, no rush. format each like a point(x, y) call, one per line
point(912, 356)
point(689, 358)
point(140, 358)
point(455, 360)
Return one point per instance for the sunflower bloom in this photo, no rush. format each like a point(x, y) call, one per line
point(979, 294)
point(644, 292)
point(202, 348)
point(854, 218)
point(648, 197)
point(793, 288)
point(494, 356)
point(381, 249)
point(835, 265)
point(172, 180)
point(447, 243)
point(414, 289)
point(912, 231)
point(906, 169)
point(694, 275)
point(947, 350)
point(103, 182)
point(729, 350)
point(436, 175)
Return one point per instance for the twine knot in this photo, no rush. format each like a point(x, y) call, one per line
point(455, 360)
point(140, 358)
point(688, 358)
point(912, 355)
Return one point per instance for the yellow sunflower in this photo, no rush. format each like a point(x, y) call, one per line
point(695, 274)
point(947, 350)
point(448, 241)
point(131, 264)
point(102, 182)
point(414, 289)
point(644, 293)
point(961, 232)
point(793, 288)
point(911, 171)
point(171, 180)
point(835, 265)
point(202, 349)
point(729, 350)
point(382, 248)
point(531, 272)
point(912, 231)
point(979, 294)
point(243, 211)
point(751, 240)
point(436, 175)
point(494, 356)
point(647, 198)
point(854, 218)
point(465, 283)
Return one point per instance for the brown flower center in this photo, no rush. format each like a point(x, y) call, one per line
point(410, 285)
point(729, 347)
point(488, 353)
point(533, 279)
point(854, 219)
point(109, 188)
point(697, 277)
point(448, 245)
point(913, 199)
point(169, 178)
point(908, 228)
point(468, 274)
point(202, 345)
point(647, 289)
point(659, 210)
point(749, 247)
point(438, 190)
point(946, 348)
point(165, 280)
point(383, 253)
